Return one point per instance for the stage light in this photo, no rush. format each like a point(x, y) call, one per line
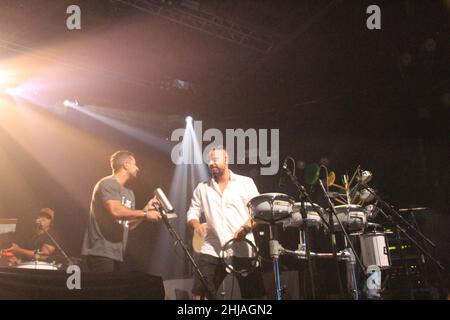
point(13, 91)
point(70, 104)
point(4, 76)
point(189, 119)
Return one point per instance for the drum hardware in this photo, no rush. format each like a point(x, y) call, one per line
point(275, 251)
point(304, 198)
point(227, 252)
point(409, 226)
point(349, 250)
point(272, 208)
point(375, 249)
point(372, 211)
point(353, 215)
point(393, 213)
point(346, 255)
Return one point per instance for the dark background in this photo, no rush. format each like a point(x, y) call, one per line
point(334, 89)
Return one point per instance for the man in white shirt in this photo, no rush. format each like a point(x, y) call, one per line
point(223, 201)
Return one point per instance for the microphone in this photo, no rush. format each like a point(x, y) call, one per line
point(165, 203)
point(285, 163)
point(366, 176)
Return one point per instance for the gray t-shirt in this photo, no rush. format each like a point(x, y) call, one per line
point(106, 236)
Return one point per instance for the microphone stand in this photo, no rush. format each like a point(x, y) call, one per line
point(209, 291)
point(69, 260)
point(304, 196)
point(352, 256)
point(402, 230)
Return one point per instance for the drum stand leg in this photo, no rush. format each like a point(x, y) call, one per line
point(350, 266)
point(304, 247)
point(275, 250)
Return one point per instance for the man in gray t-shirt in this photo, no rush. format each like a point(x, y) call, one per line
point(112, 214)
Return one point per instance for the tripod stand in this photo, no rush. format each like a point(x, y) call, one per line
point(403, 230)
point(210, 292)
point(349, 253)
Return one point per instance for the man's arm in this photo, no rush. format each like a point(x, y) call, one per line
point(45, 251)
point(21, 252)
point(245, 229)
point(119, 211)
point(194, 214)
point(250, 224)
point(200, 228)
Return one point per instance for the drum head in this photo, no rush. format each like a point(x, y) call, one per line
point(271, 207)
point(349, 208)
point(296, 219)
point(37, 265)
point(353, 217)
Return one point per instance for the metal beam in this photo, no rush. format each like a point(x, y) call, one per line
point(214, 25)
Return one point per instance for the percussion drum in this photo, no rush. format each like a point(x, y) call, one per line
point(296, 220)
point(374, 249)
point(353, 218)
point(37, 265)
point(271, 208)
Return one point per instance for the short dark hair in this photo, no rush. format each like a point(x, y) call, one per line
point(118, 158)
point(47, 212)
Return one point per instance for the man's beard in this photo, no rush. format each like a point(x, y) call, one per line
point(217, 172)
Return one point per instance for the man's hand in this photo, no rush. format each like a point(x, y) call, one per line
point(13, 261)
point(153, 216)
point(15, 248)
point(151, 204)
point(242, 232)
point(202, 229)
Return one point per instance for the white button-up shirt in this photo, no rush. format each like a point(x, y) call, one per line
point(224, 212)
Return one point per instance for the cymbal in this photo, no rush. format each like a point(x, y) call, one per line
point(413, 209)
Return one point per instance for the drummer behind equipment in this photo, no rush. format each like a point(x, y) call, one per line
point(39, 246)
point(223, 200)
